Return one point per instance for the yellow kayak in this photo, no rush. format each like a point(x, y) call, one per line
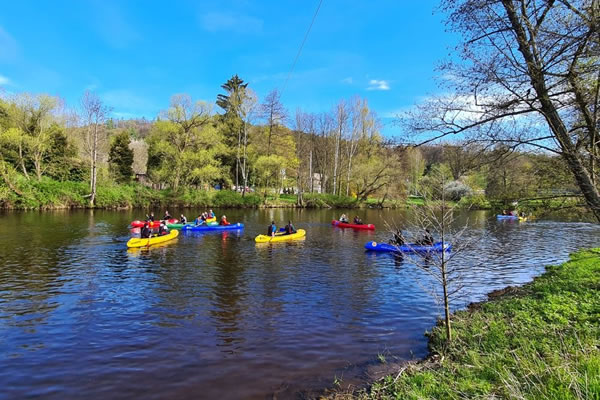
point(213, 219)
point(280, 237)
point(139, 242)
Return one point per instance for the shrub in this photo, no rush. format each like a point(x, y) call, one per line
point(456, 190)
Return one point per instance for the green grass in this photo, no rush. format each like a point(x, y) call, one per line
point(540, 341)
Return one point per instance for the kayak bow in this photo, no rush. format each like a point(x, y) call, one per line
point(339, 224)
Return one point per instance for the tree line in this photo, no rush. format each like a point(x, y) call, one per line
point(253, 145)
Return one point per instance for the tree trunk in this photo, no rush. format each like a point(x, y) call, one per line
point(94, 165)
point(548, 110)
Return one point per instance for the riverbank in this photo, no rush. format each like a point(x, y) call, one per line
point(49, 194)
point(541, 341)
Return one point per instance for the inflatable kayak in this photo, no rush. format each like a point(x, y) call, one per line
point(407, 248)
point(180, 226)
point(139, 242)
point(154, 224)
point(339, 224)
point(280, 237)
point(511, 217)
point(200, 228)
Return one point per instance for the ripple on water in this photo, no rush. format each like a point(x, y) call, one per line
point(81, 316)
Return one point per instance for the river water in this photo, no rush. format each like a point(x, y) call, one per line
point(216, 315)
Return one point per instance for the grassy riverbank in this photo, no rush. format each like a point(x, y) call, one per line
point(540, 341)
point(31, 194)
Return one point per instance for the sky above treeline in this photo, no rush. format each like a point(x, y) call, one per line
point(136, 54)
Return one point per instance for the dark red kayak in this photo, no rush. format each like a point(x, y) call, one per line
point(369, 227)
point(155, 224)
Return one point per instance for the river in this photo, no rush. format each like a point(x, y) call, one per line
point(218, 316)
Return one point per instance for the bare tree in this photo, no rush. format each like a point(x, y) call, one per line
point(94, 113)
point(341, 126)
point(443, 273)
point(248, 111)
point(274, 113)
point(528, 77)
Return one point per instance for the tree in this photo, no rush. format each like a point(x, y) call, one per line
point(94, 113)
point(248, 112)
point(232, 102)
point(274, 113)
point(528, 77)
point(186, 119)
point(120, 158)
point(33, 115)
point(341, 126)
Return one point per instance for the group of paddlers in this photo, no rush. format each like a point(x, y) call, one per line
point(288, 230)
point(398, 238)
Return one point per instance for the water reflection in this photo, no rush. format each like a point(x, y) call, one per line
point(80, 315)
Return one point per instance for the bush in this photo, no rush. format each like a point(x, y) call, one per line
point(476, 202)
point(456, 190)
point(319, 200)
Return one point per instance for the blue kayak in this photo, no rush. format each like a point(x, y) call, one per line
point(407, 248)
point(202, 228)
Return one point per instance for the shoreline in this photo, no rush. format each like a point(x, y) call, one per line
point(532, 340)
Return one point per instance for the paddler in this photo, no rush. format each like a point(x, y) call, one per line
point(183, 219)
point(167, 216)
point(145, 232)
point(224, 220)
point(398, 238)
point(150, 218)
point(289, 228)
point(272, 229)
point(357, 220)
point(344, 218)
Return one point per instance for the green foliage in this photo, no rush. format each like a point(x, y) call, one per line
point(321, 200)
point(120, 158)
point(475, 202)
point(536, 342)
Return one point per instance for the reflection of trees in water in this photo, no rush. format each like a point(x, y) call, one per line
point(34, 261)
point(228, 295)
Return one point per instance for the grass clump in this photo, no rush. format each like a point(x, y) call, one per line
point(537, 342)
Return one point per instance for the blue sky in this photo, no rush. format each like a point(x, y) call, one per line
point(136, 54)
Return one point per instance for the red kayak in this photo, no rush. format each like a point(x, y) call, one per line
point(155, 224)
point(369, 227)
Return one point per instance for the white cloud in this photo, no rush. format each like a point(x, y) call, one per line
point(376, 84)
point(348, 80)
point(217, 22)
point(4, 80)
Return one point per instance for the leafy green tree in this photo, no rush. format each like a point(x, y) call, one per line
point(173, 140)
point(232, 120)
point(120, 158)
point(61, 157)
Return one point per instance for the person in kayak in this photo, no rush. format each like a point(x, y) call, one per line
point(272, 229)
point(344, 218)
point(183, 219)
point(357, 220)
point(150, 218)
point(224, 220)
point(199, 220)
point(145, 233)
point(427, 238)
point(162, 229)
point(289, 228)
point(167, 216)
point(398, 238)
point(211, 214)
